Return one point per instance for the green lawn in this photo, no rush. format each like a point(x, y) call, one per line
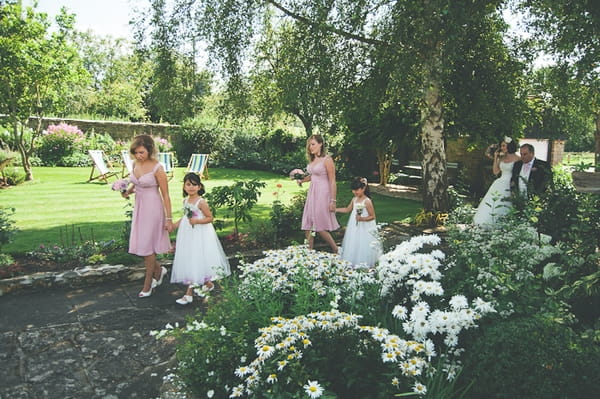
point(60, 200)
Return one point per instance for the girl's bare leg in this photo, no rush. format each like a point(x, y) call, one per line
point(329, 240)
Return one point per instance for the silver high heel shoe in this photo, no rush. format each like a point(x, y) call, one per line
point(145, 294)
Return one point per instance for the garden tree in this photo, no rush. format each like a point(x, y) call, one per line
point(556, 109)
point(377, 123)
point(569, 31)
point(422, 36)
point(118, 79)
point(36, 65)
point(176, 86)
point(298, 70)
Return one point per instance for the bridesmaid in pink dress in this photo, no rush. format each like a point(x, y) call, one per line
point(152, 221)
point(319, 209)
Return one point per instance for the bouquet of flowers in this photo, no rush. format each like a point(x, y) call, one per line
point(298, 174)
point(189, 212)
point(359, 210)
point(120, 185)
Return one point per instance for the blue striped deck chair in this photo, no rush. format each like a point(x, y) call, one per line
point(166, 160)
point(198, 164)
point(102, 164)
point(127, 163)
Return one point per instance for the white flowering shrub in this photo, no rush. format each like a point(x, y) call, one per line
point(328, 330)
point(501, 265)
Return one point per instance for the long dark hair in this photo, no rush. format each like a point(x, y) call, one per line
point(360, 182)
point(195, 180)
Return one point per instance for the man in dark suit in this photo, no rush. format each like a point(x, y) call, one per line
point(530, 175)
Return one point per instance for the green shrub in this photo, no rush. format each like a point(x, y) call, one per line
point(13, 176)
point(287, 219)
point(104, 142)
point(6, 260)
point(503, 265)
point(121, 258)
point(196, 136)
point(531, 358)
point(7, 225)
point(59, 141)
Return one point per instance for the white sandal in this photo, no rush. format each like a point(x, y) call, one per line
point(184, 300)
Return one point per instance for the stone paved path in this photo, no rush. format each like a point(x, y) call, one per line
point(88, 342)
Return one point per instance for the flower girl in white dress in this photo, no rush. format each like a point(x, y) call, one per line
point(496, 202)
point(361, 245)
point(199, 256)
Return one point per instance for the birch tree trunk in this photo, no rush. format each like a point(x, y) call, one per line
point(435, 179)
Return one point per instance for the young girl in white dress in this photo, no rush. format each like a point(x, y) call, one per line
point(199, 256)
point(361, 244)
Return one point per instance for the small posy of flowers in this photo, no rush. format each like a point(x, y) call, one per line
point(189, 212)
point(120, 185)
point(298, 175)
point(359, 210)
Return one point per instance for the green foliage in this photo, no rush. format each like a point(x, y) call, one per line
point(502, 265)
point(286, 219)
point(13, 176)
point(531, 358)
point(121, 258)
point(59, 141)
point(74, 247)
point(7, 225)
point(239, 198)
point(6, 260)
point(38, 64)
point(197, 135)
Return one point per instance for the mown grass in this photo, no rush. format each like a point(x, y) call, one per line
point(60, 201)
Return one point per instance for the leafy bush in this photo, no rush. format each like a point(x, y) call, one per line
point(503, 265)
point(287, 219)
point(7, 225)
point(6, 260)
point(59, 141)
point(196, 136)
point(531, 358)
point(282, 328)
point(239, 198)
point(121, 258)
point(104, 142)
point(13, 176)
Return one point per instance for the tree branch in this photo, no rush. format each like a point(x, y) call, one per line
point(328, 28)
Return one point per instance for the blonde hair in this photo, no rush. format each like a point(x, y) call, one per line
point(319, 139)
point(146, 141)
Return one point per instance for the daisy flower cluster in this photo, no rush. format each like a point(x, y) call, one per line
point(281, 347)
point(283, 269)
point(404, 268)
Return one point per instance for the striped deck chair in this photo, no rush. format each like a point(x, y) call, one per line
point(127, 163)
point(198, 164)
point(167, 161)
point(100, 162)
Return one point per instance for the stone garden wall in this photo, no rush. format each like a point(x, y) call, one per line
point(117, 130)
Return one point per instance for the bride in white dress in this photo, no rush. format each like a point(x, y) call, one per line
point(496, 201)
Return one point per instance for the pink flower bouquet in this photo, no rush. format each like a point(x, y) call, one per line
point(297, 174)
point(120, 185)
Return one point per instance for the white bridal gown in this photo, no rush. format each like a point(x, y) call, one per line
point(496, 201)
